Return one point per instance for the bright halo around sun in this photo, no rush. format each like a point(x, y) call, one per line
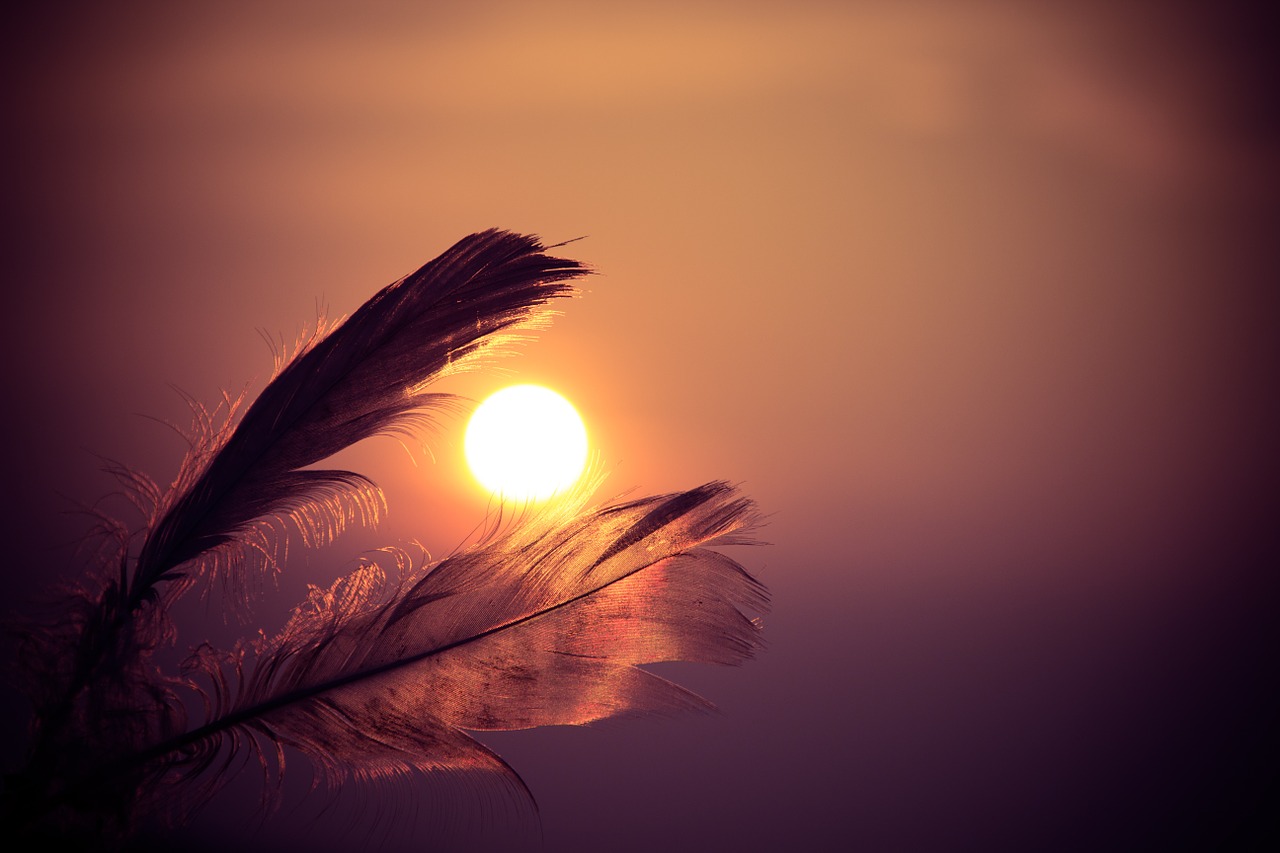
point(525, 443)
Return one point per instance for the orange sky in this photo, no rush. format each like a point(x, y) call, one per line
point(973, 297)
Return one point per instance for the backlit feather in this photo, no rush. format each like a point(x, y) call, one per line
point(385, 673)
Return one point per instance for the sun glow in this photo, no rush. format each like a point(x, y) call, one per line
point(526, 442)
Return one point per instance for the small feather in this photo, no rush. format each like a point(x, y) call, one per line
point(365, 377)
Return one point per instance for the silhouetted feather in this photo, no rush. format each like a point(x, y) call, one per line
point(544, 626)
point(365, 377)
point(373, 677)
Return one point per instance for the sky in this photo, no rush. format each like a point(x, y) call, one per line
point(975, 299)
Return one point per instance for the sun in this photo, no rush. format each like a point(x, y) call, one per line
point(525, 443)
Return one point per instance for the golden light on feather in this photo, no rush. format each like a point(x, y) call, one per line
point(525, 443)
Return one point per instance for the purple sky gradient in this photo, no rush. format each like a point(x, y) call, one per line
point(976, 299)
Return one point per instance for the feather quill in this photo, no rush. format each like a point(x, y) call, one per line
point(377, 676)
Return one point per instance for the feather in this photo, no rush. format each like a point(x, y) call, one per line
point(364, 378)
point(378, 676)
point(544, 626)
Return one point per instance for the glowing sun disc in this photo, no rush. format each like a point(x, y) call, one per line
point(526, 442)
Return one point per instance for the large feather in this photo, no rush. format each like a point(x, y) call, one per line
point(544, 626)
point(365, 377)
